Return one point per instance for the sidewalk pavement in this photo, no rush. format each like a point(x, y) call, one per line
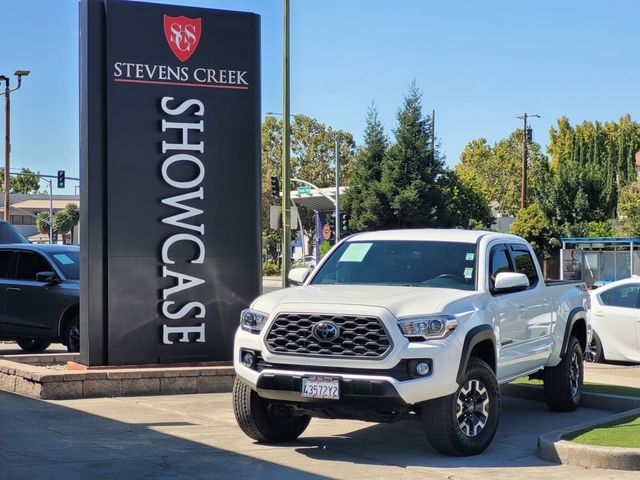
point(622, 375)
point(195, 436)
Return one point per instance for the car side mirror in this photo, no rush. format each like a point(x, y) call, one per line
point(297, 276)
point(47, 277)
point(510, 282)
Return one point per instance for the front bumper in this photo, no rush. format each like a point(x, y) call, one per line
point(368, 382)
point(361, 391)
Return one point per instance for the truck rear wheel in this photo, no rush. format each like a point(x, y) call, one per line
point(465, 423)
point(563, 383)
point(262, 420)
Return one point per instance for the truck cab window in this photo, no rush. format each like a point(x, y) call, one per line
point(524, 264)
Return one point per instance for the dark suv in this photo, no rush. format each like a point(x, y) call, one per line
point(39, 295)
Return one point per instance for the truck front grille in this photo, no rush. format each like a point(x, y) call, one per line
point(359, 337)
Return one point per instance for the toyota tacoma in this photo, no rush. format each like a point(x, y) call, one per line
point(422, 324)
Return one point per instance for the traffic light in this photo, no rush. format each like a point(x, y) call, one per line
point(275, 186)
point(344, 223)
point(331, 220)
point(60, 178)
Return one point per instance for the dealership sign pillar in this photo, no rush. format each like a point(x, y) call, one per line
point(170, 131)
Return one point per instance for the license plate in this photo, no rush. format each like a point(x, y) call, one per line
point(321, 387)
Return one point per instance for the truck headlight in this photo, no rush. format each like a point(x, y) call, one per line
point(428, 327)
point(252, 320)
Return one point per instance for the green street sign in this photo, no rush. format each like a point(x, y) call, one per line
point(304, 190)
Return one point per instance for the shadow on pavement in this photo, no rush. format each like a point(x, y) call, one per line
point(404, 444)
point(47, 440)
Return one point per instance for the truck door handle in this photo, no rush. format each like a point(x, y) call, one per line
point(546, 303)
point(522, 308)
point(598, 314)
point(13, 289)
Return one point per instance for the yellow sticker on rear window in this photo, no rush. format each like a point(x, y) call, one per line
point(468, 272)
point(355, 252)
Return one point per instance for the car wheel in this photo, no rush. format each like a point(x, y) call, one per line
point(594, 353)
point(262, 420)
point(465, 423)
point(33, 345)
point(563, 383)
point(72, 336)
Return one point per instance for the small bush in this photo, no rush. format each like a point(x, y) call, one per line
point(270, 269)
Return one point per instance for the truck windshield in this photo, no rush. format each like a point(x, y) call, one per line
point(398, 262)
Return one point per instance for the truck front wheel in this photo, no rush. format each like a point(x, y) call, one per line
point(563, 383)
point(262, 420)
point(465, 423)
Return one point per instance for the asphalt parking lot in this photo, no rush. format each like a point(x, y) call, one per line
point(195, 437)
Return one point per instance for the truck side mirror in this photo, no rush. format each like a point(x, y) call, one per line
point(510, 282)
point(297, 276)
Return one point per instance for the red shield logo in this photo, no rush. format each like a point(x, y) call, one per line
point(183, 35)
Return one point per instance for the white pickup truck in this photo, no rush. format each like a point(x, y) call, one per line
point(410, 323)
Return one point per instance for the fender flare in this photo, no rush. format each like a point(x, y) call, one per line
point(578, 313)
point(474, 336)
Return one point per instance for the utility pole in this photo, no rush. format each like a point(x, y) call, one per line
point(337, 232)
point(525, 138)
point(286, 183)
point(7, 136)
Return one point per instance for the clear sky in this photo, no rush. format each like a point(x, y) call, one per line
point(479, 65)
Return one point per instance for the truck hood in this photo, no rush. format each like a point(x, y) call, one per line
point(400, 301)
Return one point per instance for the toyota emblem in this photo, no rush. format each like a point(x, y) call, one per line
point(325, 331)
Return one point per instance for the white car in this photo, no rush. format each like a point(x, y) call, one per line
point(615, 319)
point(421, 324)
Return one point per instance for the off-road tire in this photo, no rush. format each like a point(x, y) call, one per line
point(594, 352)
point(263, 421)
point(33, 345)
point(441, 416)
point(563, 383)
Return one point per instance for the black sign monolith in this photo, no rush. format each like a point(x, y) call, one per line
point(170, 175)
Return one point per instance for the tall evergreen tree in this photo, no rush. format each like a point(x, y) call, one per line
point(365, 201)
point(411, 169)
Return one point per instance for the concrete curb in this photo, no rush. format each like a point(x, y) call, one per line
point(552, 447)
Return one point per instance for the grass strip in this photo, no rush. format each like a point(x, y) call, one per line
point(620, 433)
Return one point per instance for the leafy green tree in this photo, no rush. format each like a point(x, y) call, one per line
point(21, 183)
point(600, 229)
point(532, 225)
point(497, 170)
point(312, 158)
point(411, 170)
point(629, 209)
point(468, 207)
point(365, 201)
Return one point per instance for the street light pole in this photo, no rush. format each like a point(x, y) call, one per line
point(7, 136)
point(286, 184)
point(523, 186)
point(7, 146)
point(338, 221)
